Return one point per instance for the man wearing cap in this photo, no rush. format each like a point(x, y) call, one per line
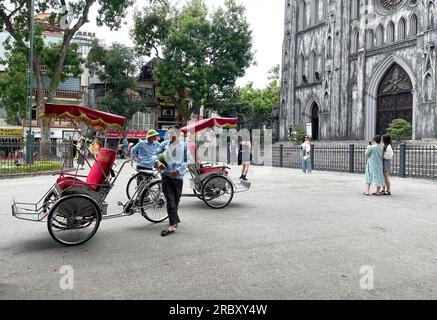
point(145, 151)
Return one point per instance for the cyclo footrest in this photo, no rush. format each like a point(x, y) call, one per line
point(28, 214)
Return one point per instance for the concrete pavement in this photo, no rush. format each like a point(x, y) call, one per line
point(292, 236)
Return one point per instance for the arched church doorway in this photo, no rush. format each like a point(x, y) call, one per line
point(395, 98)
point(315, 121)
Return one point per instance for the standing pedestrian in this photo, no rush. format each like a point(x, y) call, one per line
point(374, 166)
point(244, 155)
point(306, 155)
point(82, 153)
point(125, 148)
point(174, 166)
point(96, 147)
point(387, 158)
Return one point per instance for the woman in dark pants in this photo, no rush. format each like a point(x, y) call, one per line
point(174, 166)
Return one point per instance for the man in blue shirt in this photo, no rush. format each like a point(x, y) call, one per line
point(173, 165)
point(145, 152)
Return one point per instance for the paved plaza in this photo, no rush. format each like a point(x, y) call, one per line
point(292, 236)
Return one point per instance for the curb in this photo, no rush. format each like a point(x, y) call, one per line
point(33, 174)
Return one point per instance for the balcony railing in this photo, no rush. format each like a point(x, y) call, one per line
point(66, 94)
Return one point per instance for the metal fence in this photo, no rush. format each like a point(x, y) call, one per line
point(46, 158)
point(409, 160)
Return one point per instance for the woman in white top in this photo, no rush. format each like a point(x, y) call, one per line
point(387, 159)
point(244, 155)
point(306, 155)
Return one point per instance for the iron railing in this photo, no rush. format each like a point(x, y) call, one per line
point(409, 160)
point(49, 157)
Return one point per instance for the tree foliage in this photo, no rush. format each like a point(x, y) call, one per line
point(73, 60)
point(13, 88)
point(298, 134)
point(70, 16)
point(252, 104)
point(116, 67)
point(400, 129)
point(201, 53)
point(14, 93)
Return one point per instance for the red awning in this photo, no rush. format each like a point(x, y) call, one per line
point(93, 118)
point(210, 123)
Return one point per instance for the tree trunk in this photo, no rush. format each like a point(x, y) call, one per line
point(45, 141)
point(182, 105)
point(56, 77)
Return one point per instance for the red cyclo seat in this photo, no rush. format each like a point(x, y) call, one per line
point(97, 175)
point(203, 170)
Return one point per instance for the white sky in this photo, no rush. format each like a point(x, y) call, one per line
point(265, 17)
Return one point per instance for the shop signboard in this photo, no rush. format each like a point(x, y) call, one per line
point(11, 132)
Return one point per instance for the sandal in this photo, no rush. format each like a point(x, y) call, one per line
point(383, 193)
point(166, 232)
point(388, 193)
point(366, 194)
point(376, 194)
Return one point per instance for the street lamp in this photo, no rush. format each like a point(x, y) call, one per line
point(30, 137)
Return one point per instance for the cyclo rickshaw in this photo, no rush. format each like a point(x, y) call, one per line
point(210, 182)
point(75, 204)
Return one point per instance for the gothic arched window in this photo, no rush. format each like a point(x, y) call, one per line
point(391, 32)
point(380, 36)
point(369, 39)
point(315, 12)
point(355, 42)
point(430, 15)
point(301, 15)
point(313, 67)
point(329, 46)
point(322, 63)
point(300, 69)
point(413, 25)
point(402, 29)
point(298, 112)
point(326, 104)
point(355, 9)
point(428, 88)
point(325, 9)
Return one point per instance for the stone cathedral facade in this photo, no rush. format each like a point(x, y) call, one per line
point(350, 67)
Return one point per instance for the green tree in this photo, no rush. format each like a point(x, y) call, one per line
point(201, 54)
point(15, 17)
point(14, 92)
point(400, 129)
point(229, 104)
point(116, 67)
point(13, 88)
point(298, 134)
point(253, 104)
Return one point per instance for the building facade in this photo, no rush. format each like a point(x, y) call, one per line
point(350, 67)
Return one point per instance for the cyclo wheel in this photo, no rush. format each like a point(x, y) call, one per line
point(152, 202)
point(135, 182)
point(74, 219)
point(217, 192)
